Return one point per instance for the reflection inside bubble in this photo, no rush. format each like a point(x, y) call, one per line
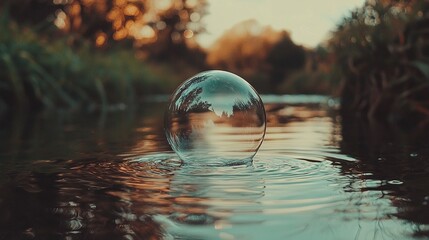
point(215, 118)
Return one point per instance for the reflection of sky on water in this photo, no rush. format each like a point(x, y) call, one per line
point(295, 127)
point(313, 178)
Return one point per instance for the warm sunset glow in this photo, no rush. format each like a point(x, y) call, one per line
point(113, 14)
point(145, 32)
point(188, 33)
point(60, 21)
point(191, 3)
point(101, 39)
point(249, 40)
point(145, 21)
point(204, 21)
point(161, 25)
point(75, 9)
point(120, 2)
point(175, 36)
point(161, 5)
point(58, 2)
point(308, 21)
point(195, 17)
point(117, 24)
point(131, 10)
point(120, 34)
point(184, 15)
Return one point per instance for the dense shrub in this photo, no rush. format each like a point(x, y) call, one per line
point(382, 50)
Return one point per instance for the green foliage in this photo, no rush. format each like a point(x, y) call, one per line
point(159, 28)
point(381, 49)
point(311, 82)
point(37, 72)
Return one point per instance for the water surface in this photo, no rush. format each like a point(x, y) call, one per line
point(113, 176)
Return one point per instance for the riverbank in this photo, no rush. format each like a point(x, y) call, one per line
point(40, 71)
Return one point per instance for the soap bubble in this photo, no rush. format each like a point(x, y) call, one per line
point(215, 118)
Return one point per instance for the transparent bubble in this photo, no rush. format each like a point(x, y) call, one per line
point(215, 118)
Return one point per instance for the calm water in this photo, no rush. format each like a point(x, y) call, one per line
point(113, 176)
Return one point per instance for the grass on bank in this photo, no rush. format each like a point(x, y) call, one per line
point(382, 49)
point(38, 72)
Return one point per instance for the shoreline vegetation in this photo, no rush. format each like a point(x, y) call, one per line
point(43, 73)
point(82, 55)
point(382, 50)
point(49, 63)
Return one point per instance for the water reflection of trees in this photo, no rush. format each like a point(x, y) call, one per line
point(49, 190)
point(397, 159)
point(189, 99)
point(77, 202)
point(105, 197)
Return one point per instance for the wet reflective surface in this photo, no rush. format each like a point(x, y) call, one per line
point(113, 176)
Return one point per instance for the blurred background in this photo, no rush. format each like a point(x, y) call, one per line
point(112, 54)
point(84, 84)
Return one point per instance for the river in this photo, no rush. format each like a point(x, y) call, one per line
point(112, 175)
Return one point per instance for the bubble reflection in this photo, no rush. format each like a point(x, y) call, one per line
point(215, 118)
point(301, 185)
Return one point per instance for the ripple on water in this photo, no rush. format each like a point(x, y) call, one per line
point(276, 190)
point(290, 190)
point(299, 186)
point(272, 185)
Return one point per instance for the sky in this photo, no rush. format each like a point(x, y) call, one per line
point(308, 21)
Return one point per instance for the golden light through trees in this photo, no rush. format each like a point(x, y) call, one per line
point(257, 51)
point(243, 48)
point(141, 21)
point(165, 31)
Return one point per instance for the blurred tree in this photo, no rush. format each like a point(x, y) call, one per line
point(243, 48)
point(284, 57)
point(380, 49)
point(252, 51)
point(176, 27)
point(161, 27)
